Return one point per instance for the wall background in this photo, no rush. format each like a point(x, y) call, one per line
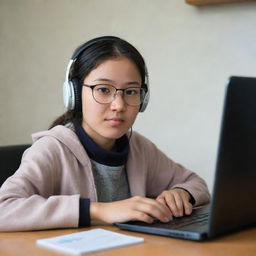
point(190, 52)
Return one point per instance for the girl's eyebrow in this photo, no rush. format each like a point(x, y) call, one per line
point(133, 83)
point(112, 81)
point(103, 80)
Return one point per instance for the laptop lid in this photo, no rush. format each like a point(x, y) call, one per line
point(234, 192)
point(234, 195)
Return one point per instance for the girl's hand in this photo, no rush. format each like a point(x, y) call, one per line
point(177, 200)
point(135, 208)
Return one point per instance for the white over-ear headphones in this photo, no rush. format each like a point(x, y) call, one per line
point(68, 89)
point(72, 88)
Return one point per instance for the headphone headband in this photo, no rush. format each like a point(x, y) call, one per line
point(88, 44)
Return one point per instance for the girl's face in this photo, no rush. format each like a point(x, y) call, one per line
point(105, 123)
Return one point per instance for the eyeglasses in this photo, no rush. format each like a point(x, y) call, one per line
point(105, 94)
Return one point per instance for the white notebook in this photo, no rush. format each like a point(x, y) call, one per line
point(88, 241)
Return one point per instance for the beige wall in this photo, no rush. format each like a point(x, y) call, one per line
point(190, 53)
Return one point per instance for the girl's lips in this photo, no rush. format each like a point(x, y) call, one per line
point(115, 121)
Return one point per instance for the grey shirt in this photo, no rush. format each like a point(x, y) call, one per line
point(111, 182)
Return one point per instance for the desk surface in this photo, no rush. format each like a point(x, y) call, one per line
point(239, 243)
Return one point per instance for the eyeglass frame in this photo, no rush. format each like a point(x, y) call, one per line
point(142, 88)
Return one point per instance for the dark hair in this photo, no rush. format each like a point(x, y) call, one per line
point(99, 50)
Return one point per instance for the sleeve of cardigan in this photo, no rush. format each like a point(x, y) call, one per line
point(163, 173)
point(173, 175)
point(29, 200)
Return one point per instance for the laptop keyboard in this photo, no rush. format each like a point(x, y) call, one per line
point(196, 217)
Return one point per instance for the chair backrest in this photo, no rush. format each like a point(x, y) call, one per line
point(10, 158)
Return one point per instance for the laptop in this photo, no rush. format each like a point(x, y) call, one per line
point(233, 204)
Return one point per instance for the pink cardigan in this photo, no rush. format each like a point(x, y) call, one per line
point(56, 171)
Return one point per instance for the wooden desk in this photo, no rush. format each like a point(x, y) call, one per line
point(241, 243)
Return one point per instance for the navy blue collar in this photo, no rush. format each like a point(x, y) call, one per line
point(100, 155)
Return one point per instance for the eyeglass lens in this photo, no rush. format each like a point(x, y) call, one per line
point(106, 94)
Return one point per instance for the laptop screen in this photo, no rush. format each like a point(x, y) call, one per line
point(234, 197)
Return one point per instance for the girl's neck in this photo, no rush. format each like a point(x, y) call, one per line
point(108, 145)
point(105, 143)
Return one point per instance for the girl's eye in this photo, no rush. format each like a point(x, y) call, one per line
point(103, 90)
point(131, 92)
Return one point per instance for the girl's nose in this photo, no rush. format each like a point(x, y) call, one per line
point(118, 104)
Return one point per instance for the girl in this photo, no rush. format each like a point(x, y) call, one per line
point(88, 166)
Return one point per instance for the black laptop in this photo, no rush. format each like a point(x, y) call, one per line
point(233, 204)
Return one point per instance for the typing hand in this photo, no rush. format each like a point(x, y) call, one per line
point(177, 201)
point(135, 208)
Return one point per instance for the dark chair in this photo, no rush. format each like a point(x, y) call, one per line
point(10, 157)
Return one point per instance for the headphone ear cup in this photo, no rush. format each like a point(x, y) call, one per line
point(145, 101)
point(68, 95)
point(77, 94)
